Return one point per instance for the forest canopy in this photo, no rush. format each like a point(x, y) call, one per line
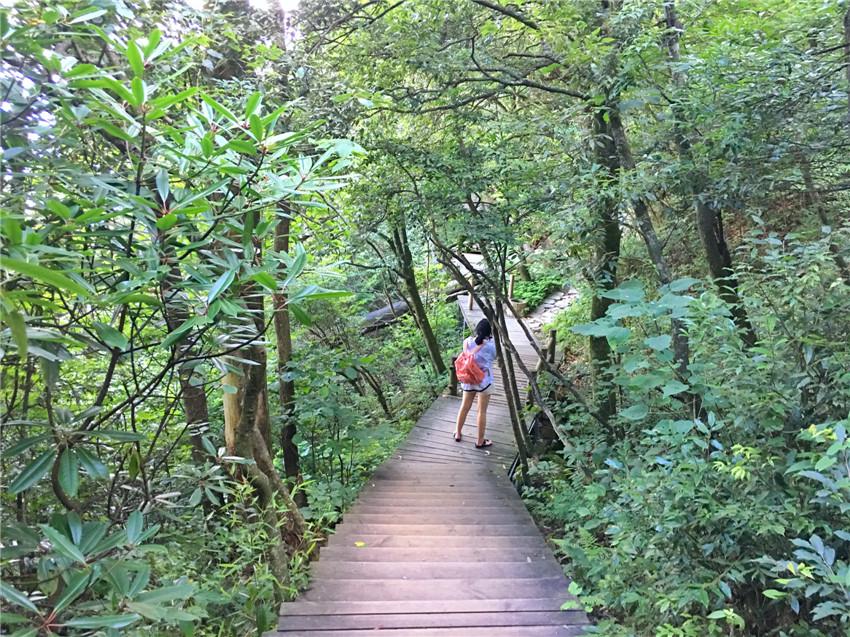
point(233, 237)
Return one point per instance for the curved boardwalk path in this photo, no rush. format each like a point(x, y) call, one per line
point(439, 543)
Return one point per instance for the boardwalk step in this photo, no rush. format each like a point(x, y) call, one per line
point(507, 605)
point(441, 554)
point(490, 631)
point(438, 529)
point(397, 621)
point(441, 518)
point(393, 589)
point(532, 541)
point(419, 570)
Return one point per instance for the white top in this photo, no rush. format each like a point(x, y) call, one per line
point(484, 357)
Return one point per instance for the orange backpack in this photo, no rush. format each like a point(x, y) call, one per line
point(467, 369)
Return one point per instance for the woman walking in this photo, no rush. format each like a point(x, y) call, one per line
point(483, 349)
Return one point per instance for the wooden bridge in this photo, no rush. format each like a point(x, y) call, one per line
point(439, 542)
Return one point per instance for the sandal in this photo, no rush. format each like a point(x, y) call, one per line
point(458, 437)
point(486, 443)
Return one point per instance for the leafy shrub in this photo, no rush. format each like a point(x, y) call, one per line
point(533, 293)
point(732, 520)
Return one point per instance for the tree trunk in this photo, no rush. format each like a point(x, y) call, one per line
point(709, 219)
point(681, 346)
point(607, 253)
point(812, 200)
point(401, 248)
point(193, 391)
point(283, 333)
point(847, 59)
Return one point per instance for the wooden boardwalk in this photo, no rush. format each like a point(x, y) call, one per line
point(439, 543)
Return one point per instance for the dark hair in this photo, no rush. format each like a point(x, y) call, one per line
point(482, 331)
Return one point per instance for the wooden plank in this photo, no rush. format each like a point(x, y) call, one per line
point(490, 631)
point(507, 605)
point(530, 541)
point(434, 571)
point(438, 529)
point(443, 518)
point(437, 554)
point(395, 621)
point(393, 589)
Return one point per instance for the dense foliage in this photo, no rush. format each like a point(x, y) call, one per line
point(201, 205)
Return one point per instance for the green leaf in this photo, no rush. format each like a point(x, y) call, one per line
point(221, 284)
point(220, 108)
point(62, 544)
point(265, 279)
point(92, 464)
point(168, 593)
point(112, 434)
point(86, 15)
point(300, 315)
point(78, 582)
point(103, 621)
point(16, 597)
point(112, 337)
point(659, 343)
point(33, 473)
point(134, 56)
point(162, 186)
point(134, 466)
point(44, 275)
point(635, 412)
point(135, 523)
point(257, 129)
point(69, 472)
point(138, 86)
point(771, 593)
point(680, 285)
point(23, 445)
point(630, 291)
point(18, 328)
point(674, 387)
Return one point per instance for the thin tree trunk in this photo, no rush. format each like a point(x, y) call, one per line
point(812, 200)
point(283, 333)
point(607, 253)
point(681, 346)
point(709, 219)
point(401, 248)
point(847, 59)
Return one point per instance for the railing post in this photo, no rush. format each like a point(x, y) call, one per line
point(552, 346)
point(471, 300)
point(453, 378)
point(511, 288)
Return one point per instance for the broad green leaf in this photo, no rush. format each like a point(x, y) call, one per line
point(103, 621)
point(138, 86)
point(134, 526)
point(112, 434)
point(265, 279)
point(163, 187)
point(221, 285)
point(86, 15)
point(18, 328)
point(78, 582)
point(658, 342)
point(168, 593)
point(44, 275)
point(220, 108)
point(69, 472)
point(630, 291)
point(112, 337)
point(16, 597)
point(92, 464)
point(635, 412)
point(33, 472)
point(22, 445)
point(62, 544)
point(674, 387)
point(134, 56)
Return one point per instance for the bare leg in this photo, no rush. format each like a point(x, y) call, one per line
point(483, 401)
point(465, 406)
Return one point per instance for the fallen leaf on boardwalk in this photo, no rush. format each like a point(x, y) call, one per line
point(359, 544)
